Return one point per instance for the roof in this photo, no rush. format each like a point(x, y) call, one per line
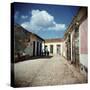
point(54, 40)
point(26, 31)
point(38, 36)
point(77, 18)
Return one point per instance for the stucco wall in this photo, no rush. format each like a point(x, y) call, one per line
point(54, 47)
point(83, 34)
point(29, 48)
point(64, 49)
point(72, 33)
point(83, 30)
point(84, 59)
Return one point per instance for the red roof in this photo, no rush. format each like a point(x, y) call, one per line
point(54, 40)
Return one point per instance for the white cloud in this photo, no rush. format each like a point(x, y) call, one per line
point(30, 27)
point(58, 27)
point(41, 20)
point(24, 17)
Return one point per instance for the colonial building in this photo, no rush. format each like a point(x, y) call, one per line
point(83, 37)
point(73, 46)
point(34, 46)
point(26, 43)
point(75, 38)
point(53, 46)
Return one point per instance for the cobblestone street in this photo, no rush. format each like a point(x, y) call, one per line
point(47, 71)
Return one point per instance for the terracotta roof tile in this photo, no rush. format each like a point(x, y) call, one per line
point(54, 40)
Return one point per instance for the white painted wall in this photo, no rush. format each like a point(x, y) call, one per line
point(72, 33)
point(54, 47)
point(64, 49)
point(84, 59)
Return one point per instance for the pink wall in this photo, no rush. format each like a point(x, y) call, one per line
point(83, 29)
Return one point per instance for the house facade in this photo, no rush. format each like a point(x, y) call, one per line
point(26, 43)
point(53, 46)
point(74, 45)
point(75, 38)
point(34, 46)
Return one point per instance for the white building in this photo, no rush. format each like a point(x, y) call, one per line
point(54, 46)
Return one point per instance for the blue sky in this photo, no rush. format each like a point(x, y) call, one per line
point(48, 21)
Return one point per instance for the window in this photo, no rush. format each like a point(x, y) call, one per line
point(51, 49)
point(58, 49)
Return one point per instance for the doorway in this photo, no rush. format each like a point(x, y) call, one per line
point(33, 48)
point(58, 49)
point(69, 47)
point(37, 48)
point(51, 49)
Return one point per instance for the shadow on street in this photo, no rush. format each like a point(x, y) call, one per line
point(26, 58)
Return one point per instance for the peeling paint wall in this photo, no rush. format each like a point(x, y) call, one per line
point(29, 49)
